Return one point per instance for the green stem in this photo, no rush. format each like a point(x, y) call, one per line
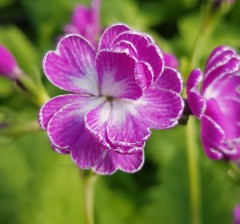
point(194, 183)
point(19, 129)
point(89, 181)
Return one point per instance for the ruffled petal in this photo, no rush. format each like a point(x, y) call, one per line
point(110, 34)
point(96, 122)
point(126, 129)
point(72, 66)
point(59, 150)
point(223, 67)
point(219, 54)
point(170, 79)
point(212, 136)
point(143, 74)
point(224, 85)
point(67, 125)
point(54, 105)
point(147, 51)
point(129, 163)
point(116, 75)
point(159, 108)
point(196, 102)
point(86, 152)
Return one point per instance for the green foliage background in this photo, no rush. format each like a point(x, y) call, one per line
point(39, 186)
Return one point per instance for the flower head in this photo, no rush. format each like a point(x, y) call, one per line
point(86, 22)
point(236, 214)
point(8, 64)
point(118, 94)
point(217, 104)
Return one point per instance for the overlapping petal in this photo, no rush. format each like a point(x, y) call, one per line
point(195, 99)
point(147, 51)
point(110, 34)
point(67, 125)
point(112, 161)
point(54, 105)
point(116, 75)
point(72, 66)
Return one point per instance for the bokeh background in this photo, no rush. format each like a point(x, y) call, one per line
point(39, 186)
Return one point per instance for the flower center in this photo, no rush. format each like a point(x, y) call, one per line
point(109, 98)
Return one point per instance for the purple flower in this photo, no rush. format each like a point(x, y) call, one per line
point(86, 22)
point(236, 215)
point(118, 94)
point(217, 104)
point(8, 64)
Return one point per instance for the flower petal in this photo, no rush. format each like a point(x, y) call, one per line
point(129, 163)
point(110, 33)
point(219, 54)
point(170, 60)
point(196, 102)
point(170, 80)
point(72, 66)
point(54, 105)
point(223, 67)
point(116, 75)
point(67, 125)
point(126, 129)
point(147, 51)
point(212, 136)
point(86, 152)
point(60, 150)
point(143, 74)
point(159, 108)
point(96, 122)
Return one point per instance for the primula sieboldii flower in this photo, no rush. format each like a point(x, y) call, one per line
point(118, 94)
point(217, 104)
point(8, 64)
point(86, 22)
point(236, 214)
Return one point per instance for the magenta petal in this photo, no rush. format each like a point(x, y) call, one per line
point(159, 108)
point(143, 74)
point(116, 75)
point(126, 128)
point(195, 100)
point(126, 47)
point(54, 105)
point(129, 163)
point(230, 114)
point(72, 66)
point(86, 151)
point(96, 122)
point(224, 67)
point(212, 136)
point(63, 151)
point(219, 54)
point(109, 35)
point(170, 80)
point(67, 125)
point(147, 51)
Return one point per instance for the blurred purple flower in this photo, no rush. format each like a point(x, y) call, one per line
point(236, 214)
point(8, 64)
point(217, 104)
point(119, 93)
point(86, 22)
point(170, 60)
